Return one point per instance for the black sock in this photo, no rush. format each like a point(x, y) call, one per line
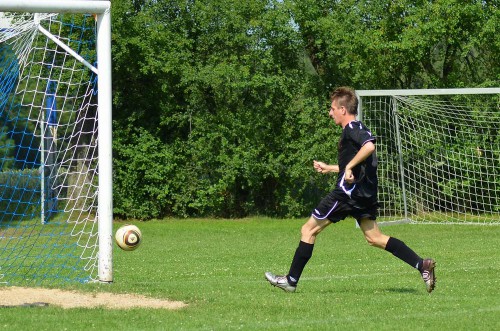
point(403, 252)
point(302, 255)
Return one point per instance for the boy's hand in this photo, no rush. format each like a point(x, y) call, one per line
point(349, 177)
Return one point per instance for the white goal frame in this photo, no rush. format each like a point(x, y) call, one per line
point(414, 92)
point(105, 202)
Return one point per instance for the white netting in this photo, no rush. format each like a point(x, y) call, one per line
point(48, 150)
point(439, 157)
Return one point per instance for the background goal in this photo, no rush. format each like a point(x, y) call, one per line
point(55, 142)
point(439, 154)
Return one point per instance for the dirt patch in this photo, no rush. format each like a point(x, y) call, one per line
point(37, 297)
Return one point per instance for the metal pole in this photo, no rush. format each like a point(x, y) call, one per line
point(451, 91)
point(67, 49)
point(105, 209)
point(42, 167)
point(360, 108)
point(59, 6)
point(400, 152)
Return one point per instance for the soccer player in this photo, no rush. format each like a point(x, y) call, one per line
point(355, 195)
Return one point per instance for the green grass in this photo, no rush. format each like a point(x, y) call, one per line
point(217, 267)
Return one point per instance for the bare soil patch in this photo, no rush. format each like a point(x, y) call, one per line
point(31, 297)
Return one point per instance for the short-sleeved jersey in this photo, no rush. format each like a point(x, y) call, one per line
point(363, 192)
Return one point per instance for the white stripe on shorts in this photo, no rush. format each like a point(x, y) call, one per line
point(327, 214)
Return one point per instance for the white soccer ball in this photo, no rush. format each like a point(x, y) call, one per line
point(128, 237)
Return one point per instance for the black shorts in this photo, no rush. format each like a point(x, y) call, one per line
point(336, 210)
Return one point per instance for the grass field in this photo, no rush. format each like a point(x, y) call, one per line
point(217, 267)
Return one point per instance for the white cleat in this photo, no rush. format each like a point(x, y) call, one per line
point(280, 281)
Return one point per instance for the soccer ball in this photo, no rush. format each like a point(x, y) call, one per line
point(128, 237)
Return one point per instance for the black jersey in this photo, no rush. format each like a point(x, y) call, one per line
point(363, 192)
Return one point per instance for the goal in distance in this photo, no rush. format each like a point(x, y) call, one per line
point(439, 154)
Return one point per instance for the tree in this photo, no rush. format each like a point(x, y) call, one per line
point(210, 84)
point(401, 44)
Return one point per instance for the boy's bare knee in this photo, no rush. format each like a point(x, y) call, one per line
point(308, 231)
point(312, 228)
point(370, 241)
point(375, 242)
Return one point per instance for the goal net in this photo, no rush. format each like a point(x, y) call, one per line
point(49, 185)
point(439, 154)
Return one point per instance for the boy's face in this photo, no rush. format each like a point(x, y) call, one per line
point(336, 112)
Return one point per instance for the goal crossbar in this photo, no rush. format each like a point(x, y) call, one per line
point(60, 6)
point(451, 91)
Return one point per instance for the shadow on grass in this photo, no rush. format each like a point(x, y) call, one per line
point(370, 291)
point(402, 290)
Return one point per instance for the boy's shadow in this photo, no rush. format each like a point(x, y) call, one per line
point(402, 290)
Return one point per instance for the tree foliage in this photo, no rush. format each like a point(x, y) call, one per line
point(220, 106)
point(402, 43)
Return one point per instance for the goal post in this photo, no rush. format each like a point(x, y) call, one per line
point(439, 154)
point(46, 38)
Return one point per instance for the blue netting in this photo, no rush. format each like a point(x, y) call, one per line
point(48, 153)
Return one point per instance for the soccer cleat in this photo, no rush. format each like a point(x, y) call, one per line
point(428, 274)
point(280, 281)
